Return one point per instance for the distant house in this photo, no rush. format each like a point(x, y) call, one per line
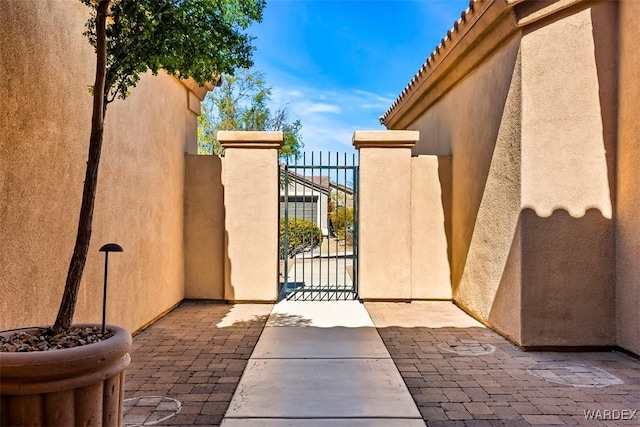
point(312, 197)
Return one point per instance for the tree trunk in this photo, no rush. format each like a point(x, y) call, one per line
point(83, 237)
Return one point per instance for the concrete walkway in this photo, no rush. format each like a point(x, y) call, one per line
point(321, 363)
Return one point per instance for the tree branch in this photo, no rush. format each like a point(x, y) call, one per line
point(83, 237)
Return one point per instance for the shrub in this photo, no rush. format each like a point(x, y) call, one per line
point(341, 220)
point(303, 236)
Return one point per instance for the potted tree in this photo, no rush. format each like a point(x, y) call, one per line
point(73, 374)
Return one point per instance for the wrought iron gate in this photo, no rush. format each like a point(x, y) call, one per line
point(319, 228)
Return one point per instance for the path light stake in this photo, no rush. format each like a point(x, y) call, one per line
point(109, 247)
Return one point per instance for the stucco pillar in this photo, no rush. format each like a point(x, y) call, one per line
point(204, 252)
point(430, 207)
point(384, 253)
point(250, 180)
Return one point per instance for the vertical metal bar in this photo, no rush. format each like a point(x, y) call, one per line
point(304, 207)
point(355, 224)
point(286, 227)
point(356, 227)
point(329, 242)
point(336, 258)
point(320, 263)
point(312, 174)
point(295, 218)
point(344, 252)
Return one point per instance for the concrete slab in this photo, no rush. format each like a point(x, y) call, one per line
point(320, 343)
point(321, 314)
point(322, 388)
point(322, 422)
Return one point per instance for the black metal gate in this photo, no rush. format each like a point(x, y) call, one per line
point(319, 228)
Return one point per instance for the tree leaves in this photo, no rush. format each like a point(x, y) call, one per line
point(241, 103)
point(197, 39)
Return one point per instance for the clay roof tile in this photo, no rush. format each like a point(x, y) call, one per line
point(438, 51)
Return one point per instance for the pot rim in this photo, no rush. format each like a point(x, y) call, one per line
point(117, 344)
point(55, 370)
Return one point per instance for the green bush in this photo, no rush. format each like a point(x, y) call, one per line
point(341, 219)
point(303, 236)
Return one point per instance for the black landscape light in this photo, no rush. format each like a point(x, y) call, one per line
point(109, 247)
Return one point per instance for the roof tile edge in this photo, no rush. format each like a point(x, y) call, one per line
point(507, 16)
point(467, 18)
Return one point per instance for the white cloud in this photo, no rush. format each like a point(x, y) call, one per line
point(294, 93)
point(329, 117)
point(307, 108)
point(326, 136)
point(386, 100)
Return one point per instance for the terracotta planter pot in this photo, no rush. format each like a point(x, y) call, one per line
point(81, 386)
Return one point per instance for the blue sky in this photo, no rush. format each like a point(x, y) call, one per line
point(339, 65)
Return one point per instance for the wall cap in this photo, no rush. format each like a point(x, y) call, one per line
point(385, 138)
point(250, 139)
point(196, 89)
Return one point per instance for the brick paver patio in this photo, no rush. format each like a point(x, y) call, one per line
point(195, 355)
point(458, 372)
point(463, 374)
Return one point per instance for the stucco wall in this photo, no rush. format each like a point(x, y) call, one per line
point(250, 176)
point(628, 181)
point(384, 185)
point(478, 122)
point(46, 65)
point(430, 208)
point(568, 161)
point(204, 228)
point(532, 134)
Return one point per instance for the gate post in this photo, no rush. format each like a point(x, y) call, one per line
point(384, 253)
point(250, 180)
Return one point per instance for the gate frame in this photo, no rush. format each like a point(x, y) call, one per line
point(283, 291)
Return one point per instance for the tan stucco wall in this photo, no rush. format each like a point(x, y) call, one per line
point(250, 175)
point(46, 65)
point(384, 203)
point(568, 264)
point(430, 205)
point(478, 122)
point(628, 181)
point(531, 130)
point(204, 228)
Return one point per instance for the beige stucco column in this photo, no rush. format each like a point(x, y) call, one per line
point(250, 180)
point(384, 255)
point(430, 207)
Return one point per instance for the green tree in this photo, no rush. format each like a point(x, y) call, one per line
point(302, 236)
point(342, 219)
point(241, 103)
point(198, 39)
